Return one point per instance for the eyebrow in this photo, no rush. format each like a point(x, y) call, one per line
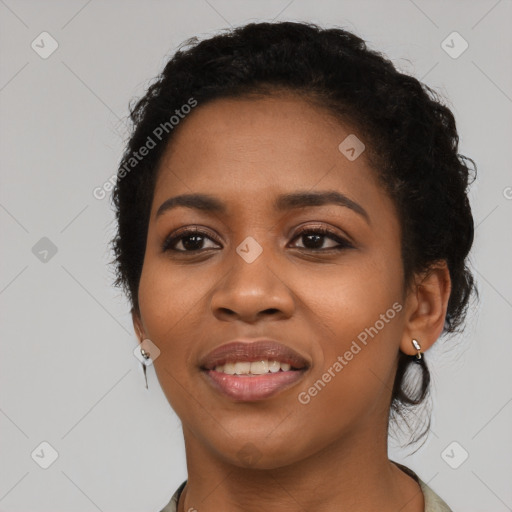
point(207, 203)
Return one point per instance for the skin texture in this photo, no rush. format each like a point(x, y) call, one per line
point(329, 454)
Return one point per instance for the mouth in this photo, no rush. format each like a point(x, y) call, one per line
point(252, 371)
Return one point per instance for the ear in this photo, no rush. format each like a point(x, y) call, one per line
point(138, 326)
point(426, 305)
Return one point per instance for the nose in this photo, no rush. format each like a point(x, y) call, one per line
point(252, 291)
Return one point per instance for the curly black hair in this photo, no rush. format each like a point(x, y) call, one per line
point(410, 137)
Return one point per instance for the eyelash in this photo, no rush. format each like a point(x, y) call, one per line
point(343, 244)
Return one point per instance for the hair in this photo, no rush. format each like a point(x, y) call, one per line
point(410, 137)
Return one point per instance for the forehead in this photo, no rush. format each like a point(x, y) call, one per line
point(260, 146)
point(259, 127)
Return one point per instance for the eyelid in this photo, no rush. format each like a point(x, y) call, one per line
point(343, 241)
point(187, 231)
point(322, 226)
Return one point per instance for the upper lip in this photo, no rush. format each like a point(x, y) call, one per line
point(253, 350)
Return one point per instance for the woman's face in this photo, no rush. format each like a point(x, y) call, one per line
point(336, 300)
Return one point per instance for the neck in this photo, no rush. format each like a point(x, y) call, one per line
point(354, 474)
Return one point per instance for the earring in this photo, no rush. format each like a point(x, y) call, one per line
point(146, 356)
point(417, 358)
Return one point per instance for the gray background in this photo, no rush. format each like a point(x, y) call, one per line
point(67, 372)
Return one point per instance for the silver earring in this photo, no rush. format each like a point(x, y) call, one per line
point(418, 359)
point(146, 356)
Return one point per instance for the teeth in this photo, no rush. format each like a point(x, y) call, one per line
point(228, 368)
point(274, 366)
point(252, 368)
point(259, 367)
point(242, 368)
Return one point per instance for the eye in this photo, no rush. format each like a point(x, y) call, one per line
point(315, 238)
point(191, 239)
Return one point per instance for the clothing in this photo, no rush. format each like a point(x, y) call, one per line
point(433, 503)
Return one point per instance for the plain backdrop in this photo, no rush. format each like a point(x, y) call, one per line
point(68, 376)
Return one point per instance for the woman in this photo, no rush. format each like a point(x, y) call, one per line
point(293, 227)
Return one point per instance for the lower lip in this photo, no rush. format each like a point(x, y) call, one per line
point(252, 388)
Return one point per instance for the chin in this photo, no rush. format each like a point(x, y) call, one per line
point(262, 453)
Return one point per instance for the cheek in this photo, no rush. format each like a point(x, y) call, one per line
point(167, 296)
point(347, 298)
point(340, 306)
point(359, 324)
point(164, 302)
point(172, 306)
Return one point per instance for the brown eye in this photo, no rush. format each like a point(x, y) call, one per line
point(193, 240)
point(190, 239)
point(314, 239)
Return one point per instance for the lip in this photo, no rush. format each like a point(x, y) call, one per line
point(244, 388)
point(253, 350)
point(257, 387)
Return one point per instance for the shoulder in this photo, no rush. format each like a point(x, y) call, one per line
point(172, 506)
point(433, 503)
